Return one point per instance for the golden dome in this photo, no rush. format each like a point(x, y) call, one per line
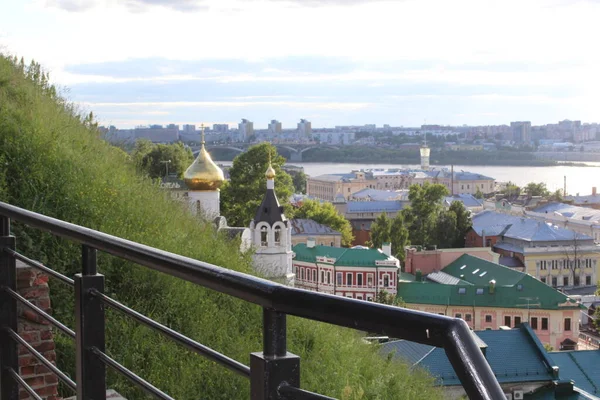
point(270, 174)
point(203, 174)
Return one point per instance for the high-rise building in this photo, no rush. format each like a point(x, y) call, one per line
point(521, 131)
point(189, 128)
point(304, 128)
point(246, 129)
point(275, 126)
point(221, 128)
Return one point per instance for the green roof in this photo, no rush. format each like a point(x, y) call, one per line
point(513, 289)
point(352, 257)
point(581, 367)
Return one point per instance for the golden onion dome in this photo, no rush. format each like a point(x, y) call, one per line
point(270, 174)
point(203, 174)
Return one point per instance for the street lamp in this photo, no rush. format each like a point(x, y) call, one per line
point(167, 165)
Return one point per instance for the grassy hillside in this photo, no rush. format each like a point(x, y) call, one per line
point(52, 162)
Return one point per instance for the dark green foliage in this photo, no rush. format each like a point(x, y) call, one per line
point(463, 222)
point(299, 180)
point(425, 207)
point(380, 231)
point(445, 229)
point(241, 196)
point(54, 164)
point(390, 230)
point(536, 189)
point(326, 214)
point(154, 159)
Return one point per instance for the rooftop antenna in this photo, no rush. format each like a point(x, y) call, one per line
point(202, 134)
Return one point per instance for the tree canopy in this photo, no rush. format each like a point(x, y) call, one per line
point(326, 214)
point(537, 189)
point(154, 158)
point(463, 222)
point(425, 207)
point(243, 193)
point(390, 230)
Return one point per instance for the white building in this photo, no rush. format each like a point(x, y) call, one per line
point(275, 126)
point(304, 128)
point(272, 237)
point(246, 129)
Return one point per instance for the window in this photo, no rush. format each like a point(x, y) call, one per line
point(348, 190)
point(369, 298)
point(462, 186)
point(534, 323)
point(322, 276)
point(359, 279)
point(468, 317)
point(370, 280)
point(302, 273)
point(576, 280)
point(543, 279)
point(519, 287)
point(314, 275)
point(588, 280)
point(544, 324)
point(386, 280)
point(263, 236)
point(517, 321)
point(462, 290)
point(277, 233)
point(543, 265)
point(565, 281)
point(488, 318)
point(329, 277)
point(554, 281)
point(349, 279)
point(458, 315)
point(507, 320)
point(331, 244)
point(359, 296)
point(567, 324)
point(479, 291)
point(296, 270)
point(338, 278)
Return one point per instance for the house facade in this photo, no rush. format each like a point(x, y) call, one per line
point(357, 272)
point(487, 295)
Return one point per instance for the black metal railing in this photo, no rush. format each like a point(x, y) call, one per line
point(274, 373)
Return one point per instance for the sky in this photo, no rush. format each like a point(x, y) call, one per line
point(333, 62)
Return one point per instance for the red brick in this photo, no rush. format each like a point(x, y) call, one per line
point(44, 346)
point(24, 395)
point(37, 292)
point(46, 335)
point(44, 304)
point(26, 371)
point(40, 280)
point(51, 390)
point(26, 360)
point(42, 369)
point(23, 350)
point(50, 356)
point(35, 381)
point(30, 337)
point(51, 378)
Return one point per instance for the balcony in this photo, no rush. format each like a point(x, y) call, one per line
point(274, 373)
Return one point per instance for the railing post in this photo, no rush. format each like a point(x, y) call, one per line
point(9, 389)
point(274, 366)
point(89, 316)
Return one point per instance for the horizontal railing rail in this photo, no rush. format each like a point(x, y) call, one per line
point(273, 373)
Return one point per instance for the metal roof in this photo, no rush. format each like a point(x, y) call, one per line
point(375, 206)
point(581, 367)
point(569, 211)
point(468, 200)
point(311, 227)
point(442, 277)
point(380, 195)
point(356, 256)
point(525, 362)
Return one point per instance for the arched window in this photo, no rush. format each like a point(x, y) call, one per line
point(263, 236)
point(277, 232)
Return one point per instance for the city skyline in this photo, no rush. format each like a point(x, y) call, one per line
point(333, 63)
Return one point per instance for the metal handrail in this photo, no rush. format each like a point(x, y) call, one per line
point(452, 334)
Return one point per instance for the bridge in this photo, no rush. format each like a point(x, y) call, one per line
point(293, 151)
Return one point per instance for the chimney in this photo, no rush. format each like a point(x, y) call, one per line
point(386, 248)
point(310, 243)
point(492, 286)
point(594, 191)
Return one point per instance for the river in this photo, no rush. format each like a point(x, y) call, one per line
point(579, 179)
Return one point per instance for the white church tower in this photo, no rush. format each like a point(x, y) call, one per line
point(272, 237)
point(425, 151)
point(203, 179)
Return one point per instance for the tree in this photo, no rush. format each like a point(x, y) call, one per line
point(478, 194)
point(511, 189)
point(152, 158)
point(463, 222)
point(421, 215)
point(384, 297)
point(326, 214)
point(380, 231)
point(445, 229)
point(242, 195)
point(399, 236)
point(557, 195)
point(573, 261)
point(299, 180)
point(537, 189)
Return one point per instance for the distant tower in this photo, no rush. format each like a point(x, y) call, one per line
point(425, 155)
point(272, 237)
point(203, 179)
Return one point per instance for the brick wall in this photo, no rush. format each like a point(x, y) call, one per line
point(33, 285)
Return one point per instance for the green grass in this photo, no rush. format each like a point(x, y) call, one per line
point(53, 163)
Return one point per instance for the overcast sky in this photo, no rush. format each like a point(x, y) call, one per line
point(334, 62)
